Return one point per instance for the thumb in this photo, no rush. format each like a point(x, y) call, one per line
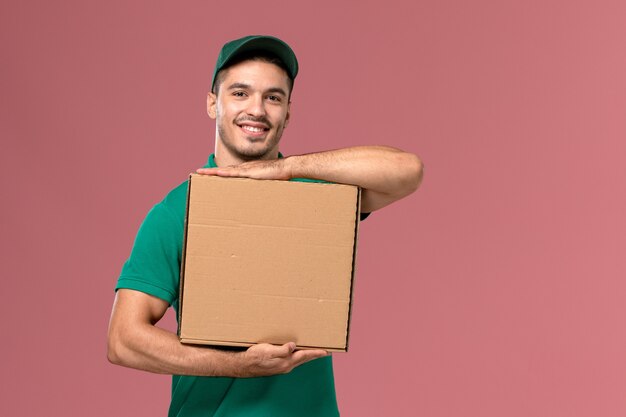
point(286, 349)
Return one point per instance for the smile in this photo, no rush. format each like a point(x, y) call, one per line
point(253, 129)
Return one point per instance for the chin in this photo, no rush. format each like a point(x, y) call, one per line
point(256, 151)
point(250, 154)
point(246, 150)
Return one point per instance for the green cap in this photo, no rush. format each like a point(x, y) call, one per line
point(275, 46)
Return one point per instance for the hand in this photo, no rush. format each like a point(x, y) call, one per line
point(273, 169)
point(265, 359)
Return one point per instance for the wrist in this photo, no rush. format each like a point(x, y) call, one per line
point(240, 364)
point(291, 165)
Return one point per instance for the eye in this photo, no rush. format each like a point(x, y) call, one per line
point(239, 94)
point(274, 98)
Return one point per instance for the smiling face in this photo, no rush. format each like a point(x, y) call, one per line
point(251, 109)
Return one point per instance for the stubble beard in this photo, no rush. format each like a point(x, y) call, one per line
point(245, 153)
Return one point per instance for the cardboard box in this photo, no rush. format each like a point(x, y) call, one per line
point(268, 261)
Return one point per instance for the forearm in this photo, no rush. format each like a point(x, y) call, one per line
point(135, 342)
point(153, 349)
point(370, 167)
point(386, 174)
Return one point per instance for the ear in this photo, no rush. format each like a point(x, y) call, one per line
point(211, 102)
point(288, 116)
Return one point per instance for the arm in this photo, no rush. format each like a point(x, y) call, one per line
point(135, 342)
point(386, 174)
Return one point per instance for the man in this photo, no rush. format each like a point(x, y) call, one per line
point(250, 102)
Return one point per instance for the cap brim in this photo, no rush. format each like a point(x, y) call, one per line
point(267, 44)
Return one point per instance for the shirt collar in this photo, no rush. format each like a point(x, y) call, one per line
point(211, 162)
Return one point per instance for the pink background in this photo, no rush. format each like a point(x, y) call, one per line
point(497, 290)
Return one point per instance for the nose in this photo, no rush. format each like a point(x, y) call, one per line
point(256, 106)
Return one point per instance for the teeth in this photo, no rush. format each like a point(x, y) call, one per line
point(253, 129)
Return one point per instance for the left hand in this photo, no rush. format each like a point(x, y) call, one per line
point(273, 169)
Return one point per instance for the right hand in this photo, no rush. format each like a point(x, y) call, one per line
point(265, 359)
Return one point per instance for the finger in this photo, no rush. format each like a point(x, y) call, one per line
point(232, 172)
point(303, 356)
point(222, 172)
point(285, 350)
point(207, 171)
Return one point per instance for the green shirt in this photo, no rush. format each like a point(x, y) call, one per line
point(154, 268)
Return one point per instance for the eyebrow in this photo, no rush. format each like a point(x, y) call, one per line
point(238, 85)
point(244, 86)
point(277, 90)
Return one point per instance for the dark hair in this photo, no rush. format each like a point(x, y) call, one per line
point(252, 56)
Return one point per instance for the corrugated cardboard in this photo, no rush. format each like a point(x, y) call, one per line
point(268, 261)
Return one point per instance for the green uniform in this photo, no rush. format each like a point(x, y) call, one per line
point(154, 268)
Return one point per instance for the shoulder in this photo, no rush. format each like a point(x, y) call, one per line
point(174, 203)
point(177, 197)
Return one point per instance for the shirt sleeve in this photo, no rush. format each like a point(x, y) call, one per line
point(154, 264)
